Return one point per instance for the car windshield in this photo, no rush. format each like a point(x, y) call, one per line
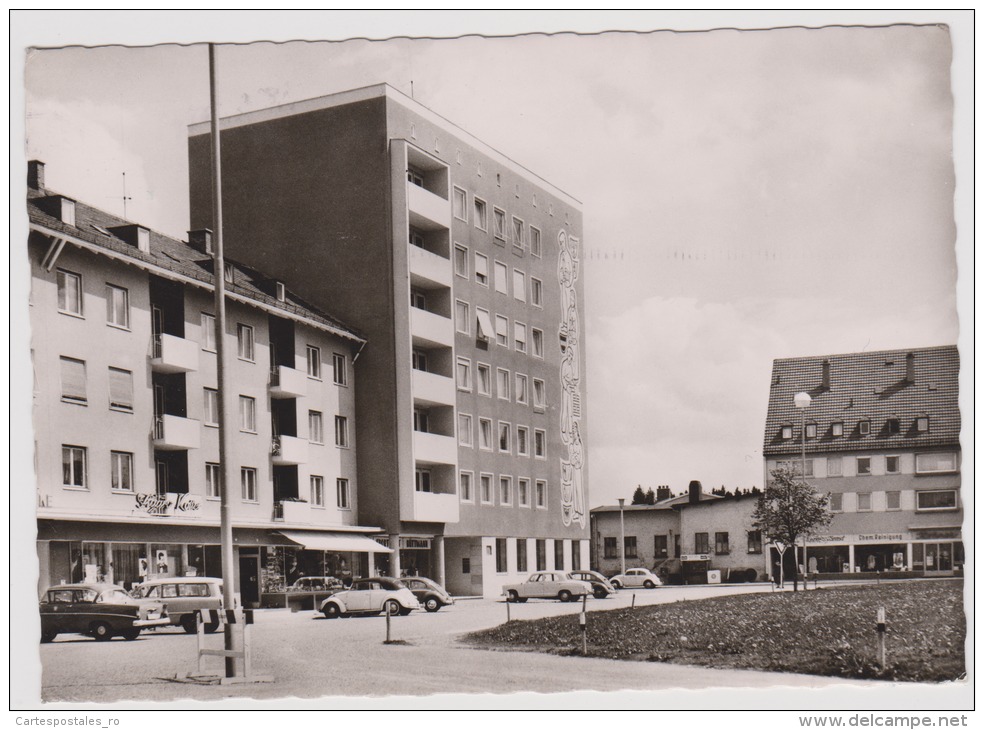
point(113, 596)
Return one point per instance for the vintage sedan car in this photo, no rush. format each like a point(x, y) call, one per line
point(635, 578)
point(600, 585)
point(429, 594)
point(311, 591)
point(99, 610)
point(183, 597)
point(547, 584)
point(371, 596)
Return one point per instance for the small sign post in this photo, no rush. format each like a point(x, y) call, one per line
point(881, 637)
point(583, 618)
point(389, 605)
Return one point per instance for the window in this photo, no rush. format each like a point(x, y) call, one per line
point(837, 429)
point(342, 494)
point(339, 371)
point(631, 551)
point(247, 414)
point(316, 427)
point(891, 465)
point(523, 489)
point(922, 424)
point(541, 494)
point(535, 248)
point(462, 317)
point(314, 362)
point(721, 546)
point(806, 467)
point(811, 430)
point(501, 278)
point(247, 479)
point(499, 223)
point(787, 432)
point(522, 389)
point(864, 466)
point(484, 379)
point(465, 486)
point(660, 546)
point(940, 499)
point(936, 462)
point(537, 343)
point(505, 491)
point(611, 547)
point(864, 427)
point(837, 502)
point(461, 261)
point(213, 480)
point(422, 480)
point(536, 292)
point(482, 269)
point(522, 441)
point(755, 541)
point(539, 393)
point(210, 410)
point(502, 383)
point(317, 491)
point(505, 436)
point(481, 214)
point(69, 293)
point(244, 333)
point(485, 434)
point(464, 373)
point(466, 566)
point(418, 300)
point(281, 291)
point(415, 177)
point(521, 555)
point(465, 429)
point(120, 390)
point(121, 471)
point(893, 500)
point(208, 332)
point(893, 426)
point(485, 482)
point(519, 285)
point(701, 543)
point(519, 332)
point(230, 273)
point(540, 443)
point(483, 325)
point(74, 467)
point(864, 501)
point(501, 565)
point(460, 203)
point(341, 431)
point(73, 381)
point(117, 306)
point(418, 360)
point(421, 418)
point(834, 466)
point(519, 233)
point(502, 330)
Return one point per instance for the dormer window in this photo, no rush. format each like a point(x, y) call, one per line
point(892, 426)
point(811, 430)
point(281, 292)
point(68, 211)
point(230, 273)
point(837, 429)
point(922, 424)
point(864, 427)
point(787, 432)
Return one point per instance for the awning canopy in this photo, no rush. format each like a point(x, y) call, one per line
point(336, 542)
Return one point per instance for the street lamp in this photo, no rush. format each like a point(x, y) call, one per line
point(802, 401)
point(621, 520)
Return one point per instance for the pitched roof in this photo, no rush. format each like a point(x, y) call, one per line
point(666, 504)
point(95, 227)
point(870, 386)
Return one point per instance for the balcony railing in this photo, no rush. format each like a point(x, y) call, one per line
point(431, 389)
point(433, 507)
point(431, 330)
point(432, 448)
point(428, 212)
point(172, 354)
point(289, 450)
point(174, 433)
point(428, 270)
point(287, 382)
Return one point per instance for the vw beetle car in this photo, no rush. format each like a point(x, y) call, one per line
point(600, 585)
point(371, 596)
point(99, 610)
point(184, 597)
point(635, 578)
point(428, 593)
point(547, 584)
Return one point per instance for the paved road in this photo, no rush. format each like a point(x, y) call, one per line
point(310, 656)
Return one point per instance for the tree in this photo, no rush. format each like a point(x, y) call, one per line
point(790, 509)
point(638, 496)
point(650, 496)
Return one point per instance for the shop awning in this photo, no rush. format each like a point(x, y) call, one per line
point(336, 542)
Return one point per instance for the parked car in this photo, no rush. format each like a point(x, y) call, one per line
point(311, 590)
point(601, 587)
point(429, 594)
point(371, 595)
point(636, 577)
point(183, 598)
point(99, 610)
point(547, 584)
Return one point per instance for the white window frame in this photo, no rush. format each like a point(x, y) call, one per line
point(317, 490)
point(922, 424)
point(954, 492)
point(481, 269)
point(462, 317)
point(787, 432)
point(463, 374)
point(508, 437)
point(502, 330)
point(537, 493)
point(459, 194)
point(499, 234)
point(888, 504)
point(483, 385)
point(466, 435)
point(864, 427)
point(839, 497)
point(213, 480)
point(839, 470)
point(857, 466)
point(486, 479)
point(811, 430)
point(120, 406)
point(505, 480)
point(539, 393)
point(501, 282)
point(523, 500)
point(536, 241)
point(245, 342)
point(837, 429)
point(343, 494)
point(112, 291)
point(482, 432)
point(316, 427)
point(247, 414)
point(313, 362)
point(339, 368)
point(116, 460)
point(82, 400)
point(521, 229)
point(868, 507)
point(481, 211)
point(922, 470)
point(208, 332)
point(502, 375)
point(466, 494)
point(210, 407)
point(75, 308)
point(536, 337)
point(520, 342)
point(536, 292)
point(248, 484)
point(461, 259)
point(522, 450)
point(342, 432)
point(522, 389)
point(519, 292)
point(898, 464)
point(542, 434)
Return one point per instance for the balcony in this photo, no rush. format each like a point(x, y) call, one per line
point(289, 451)
point(174, 355)
point(287, 382)
point(430, 389)
point(430, 330)
point(432, 448)
point(428, 212)
point(428, 270)
point(291, 511)
point(174, 433)
point(432, 507)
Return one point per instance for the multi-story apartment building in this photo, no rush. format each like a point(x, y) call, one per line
point(463, 269)
point(126, 411)
point(882, 437)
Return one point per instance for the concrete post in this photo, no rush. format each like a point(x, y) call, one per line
point(439, 559)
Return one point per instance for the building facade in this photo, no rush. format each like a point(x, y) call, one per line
point(882, 438)
point(126, 411)
point(463, 270)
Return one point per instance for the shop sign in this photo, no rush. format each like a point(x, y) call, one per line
point(384, 541)
point(415, 543)
point(951, 534)
point(870, 537)
point(878, 537)
point(166, 505)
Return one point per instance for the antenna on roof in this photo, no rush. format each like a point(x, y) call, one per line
point(125, 197)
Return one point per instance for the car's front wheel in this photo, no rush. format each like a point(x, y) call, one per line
point(391, 607)
point(331, 610)
point(564, 596)
point(131, 634)
point(600, 593)
point(189, 623)
point(101, 631)
point(648, 584)
point(432, 605)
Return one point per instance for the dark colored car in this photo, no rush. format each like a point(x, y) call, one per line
point(600, 586)
point(99, 610)
point(430, 595)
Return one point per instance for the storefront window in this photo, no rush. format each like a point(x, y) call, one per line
point(165, 561)
point(95, 567)
point(126, 563)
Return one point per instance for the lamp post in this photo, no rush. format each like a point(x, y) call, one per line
point(802, 401)
point(621, 520)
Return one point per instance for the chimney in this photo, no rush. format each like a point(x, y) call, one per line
point(825, 376)
point(662, 492)
point(910, 368)
point(35, 175)
point(201, 240)
point(695, 490)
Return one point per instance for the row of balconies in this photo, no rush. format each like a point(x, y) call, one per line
point(174, 433)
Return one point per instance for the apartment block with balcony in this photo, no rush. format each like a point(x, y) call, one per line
point(126, 411)
point(464, 271)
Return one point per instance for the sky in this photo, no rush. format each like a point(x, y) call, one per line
point(747, 195)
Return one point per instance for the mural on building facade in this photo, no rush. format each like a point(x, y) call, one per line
point(571, 487)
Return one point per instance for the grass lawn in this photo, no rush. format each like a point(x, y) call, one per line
point(828, 632)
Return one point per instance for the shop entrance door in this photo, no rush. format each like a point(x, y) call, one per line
point(939, 558)
point(249, 580)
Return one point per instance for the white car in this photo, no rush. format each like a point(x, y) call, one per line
point(371, 595)
point(636, 578)
point(547, 584)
